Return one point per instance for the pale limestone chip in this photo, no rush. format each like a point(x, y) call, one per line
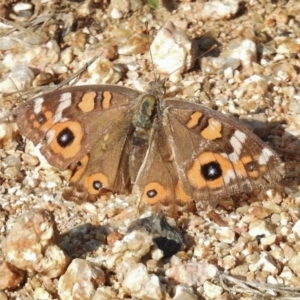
point(80, 280)
point(30, 245)
point(212, 290)
point(260, 227)
point(245, 51)
point(20, 78)
point(172, 51)
point(219, 10)
point(265, 263)
point(192, 274)
point(225, 234)
point(105, 293)
point(134, 245)
point(183, 292)
point(139, 283)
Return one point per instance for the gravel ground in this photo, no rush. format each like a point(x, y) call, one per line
point(240, 58)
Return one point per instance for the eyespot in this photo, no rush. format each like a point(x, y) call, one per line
point(154, 192)
point(41, 118)
point(95, 182)
point(211, 171)
point(65, 137)
point(97, 185)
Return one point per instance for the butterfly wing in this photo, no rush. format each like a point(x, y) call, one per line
point(198, 154)
point(217, 156)
point(157, 181)
point(85, 128)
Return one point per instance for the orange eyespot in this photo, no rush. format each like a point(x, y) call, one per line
point(154, 192)
point(65, 138)
point(95, 182)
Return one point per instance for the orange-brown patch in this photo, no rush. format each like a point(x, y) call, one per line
point(246, 160)
point(106, 102)
point(194, 173)
point(49, 116)
point(36, 124)
point(72, 149)
point(87, 102)
point(194, 119)
point(240, 169)
point(181, 194)
point(77, 175)
point(263, 169)
point(89, 181)
point(213, 130)
point(162, 193)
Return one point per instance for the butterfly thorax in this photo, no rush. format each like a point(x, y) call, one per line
point(146, 112)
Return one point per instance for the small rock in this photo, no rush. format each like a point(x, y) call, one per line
point(139, 283)
point(294, 264)
point(166, 237)
point(245, 51)
point(116, 14)
point(240, 270)
point(296, 228)
point(225, 234)
point(172, 51)
point(260, 227)
point(44, 78)
point(20, 78)
point(10, 277)
point(105, 293)
point(256, 84)
point(212, 290)
point(269, 240)
point(76, 39)
point(30, 160)
point(183, 292)
point(34, 57)
point(219, 10)
point(80, 280)
point(227, 262)
point(192, 274)
point(41, 294)
point(3, 295)
point(20, 7)
point(265, 263)
point(134, 245)
point(30, 245)
point(284, 72)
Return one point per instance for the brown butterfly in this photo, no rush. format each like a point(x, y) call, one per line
point(171, 153)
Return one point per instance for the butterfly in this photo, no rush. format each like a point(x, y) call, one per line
point(173, 154)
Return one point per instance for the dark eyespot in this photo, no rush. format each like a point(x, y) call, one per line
point(97, 185)
point(211, 171)
point(151, 193)
point(251, 166)
point(65, 137)
point(41, 118)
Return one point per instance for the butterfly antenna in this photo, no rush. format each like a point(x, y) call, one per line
point(150, 52)
point(79, 72)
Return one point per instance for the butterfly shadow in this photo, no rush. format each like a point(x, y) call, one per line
point(83, 239)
